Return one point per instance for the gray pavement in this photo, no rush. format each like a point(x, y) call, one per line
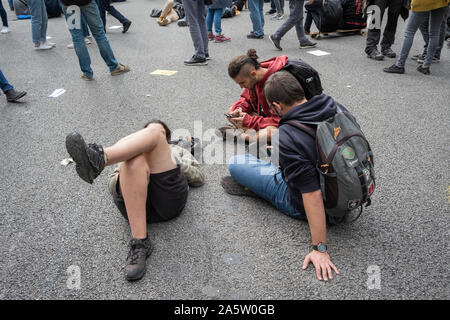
point(221, 247)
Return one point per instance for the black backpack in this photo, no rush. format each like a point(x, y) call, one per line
point(306, 75)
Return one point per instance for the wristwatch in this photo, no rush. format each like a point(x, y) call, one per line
point(321, 247)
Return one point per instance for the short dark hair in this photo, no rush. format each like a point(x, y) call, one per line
point(166, 128)
point(283, 87)
point(235, 66)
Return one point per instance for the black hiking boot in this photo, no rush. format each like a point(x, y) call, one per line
point(376, 55)
point(388, 53)
point(89, 159)
point(140, 250)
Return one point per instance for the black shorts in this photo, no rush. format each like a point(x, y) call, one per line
point(166, 196)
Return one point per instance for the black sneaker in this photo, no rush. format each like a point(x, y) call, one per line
point(252, 35)
point(423, 70)
point(182, 23)
point(376, 55)
point(275, 42)
point(140, 250)
point(89, 159)
point(194, 61)
point(271, 11)
point(418, 56)
point(388, 53)
point(394, 69)
point(307, 44)
point(126, 26)
point(433, 60)
point(13, 95)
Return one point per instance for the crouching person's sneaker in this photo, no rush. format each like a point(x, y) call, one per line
point(140, 250)
point(120, 70)
point(89, 159)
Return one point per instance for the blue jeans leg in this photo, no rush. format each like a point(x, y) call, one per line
point(84, 26)
point(3, 15)
point(209, 20)
point(11, 4)
point(95, 23)
point(258, 176)
point(38, 20)
point(4, 84)
point(218, 20)
point(256, 8)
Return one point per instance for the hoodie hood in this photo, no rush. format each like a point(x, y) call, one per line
point(273, 65)
point(317, 109)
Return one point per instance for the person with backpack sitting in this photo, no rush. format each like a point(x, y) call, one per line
point(295, 186)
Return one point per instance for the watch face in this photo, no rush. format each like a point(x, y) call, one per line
point(321, 247)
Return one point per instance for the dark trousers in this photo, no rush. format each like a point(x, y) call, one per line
point(373, 35)
point(105, 5)
point(3, 15)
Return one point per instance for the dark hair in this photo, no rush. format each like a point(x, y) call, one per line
point(166, 128)
point(283, 87)
point(237, 63)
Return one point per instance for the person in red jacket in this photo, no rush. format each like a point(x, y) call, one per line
point(251, 114)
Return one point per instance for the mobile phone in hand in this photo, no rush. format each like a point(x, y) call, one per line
point(228, 115)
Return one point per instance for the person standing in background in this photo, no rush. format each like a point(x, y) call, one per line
point(4, 17)
point(39, 21)
point(195, 17)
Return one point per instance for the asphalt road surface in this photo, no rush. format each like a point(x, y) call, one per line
point(54, 227)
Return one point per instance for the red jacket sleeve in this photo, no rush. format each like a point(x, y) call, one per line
point(260, 122)
point(244, 102)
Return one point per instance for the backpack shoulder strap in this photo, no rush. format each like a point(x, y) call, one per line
point(308, 129)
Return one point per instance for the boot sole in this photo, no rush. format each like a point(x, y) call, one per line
point(76, 147)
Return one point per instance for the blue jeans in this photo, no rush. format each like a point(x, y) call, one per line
point(310, 17)
point(258, 176)
point(216, 16)
point(426, 36)
point(3, 15)
point(92, 16)
point(414, 22)
point(195, 17)
point(11, 4)
point(38, 20)
point(4, 85)
point(295, 19)
point(256, 8)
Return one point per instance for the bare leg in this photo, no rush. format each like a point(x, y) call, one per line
point(134, 179)
point(166, 10)
point(143, 141)
point(172, 16)
point(136, 169)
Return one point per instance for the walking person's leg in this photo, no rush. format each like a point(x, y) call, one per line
point(35, 7)
point(436, 17)
point(303, 40)
point(11, 5)
point(44, 17)
point(209, 23)
point(442, 31)
point(290, 21)
point(116, 14)
point(92, 15)
point(414, 21)
point(79, 45)
point(218, 21)
point(425, 34)
point(11, 94)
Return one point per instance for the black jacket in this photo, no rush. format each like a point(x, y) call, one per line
point(297, 149)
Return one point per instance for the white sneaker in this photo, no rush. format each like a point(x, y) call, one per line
point(70, 46)
point(43, 46)
point(86, 40)
point(48, 43)
point(4, 30)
